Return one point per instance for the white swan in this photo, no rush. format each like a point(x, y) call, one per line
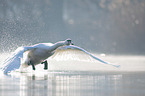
point(37, 54)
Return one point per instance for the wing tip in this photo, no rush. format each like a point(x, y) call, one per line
point(117, 66)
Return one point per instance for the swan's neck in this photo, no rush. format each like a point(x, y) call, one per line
point(56, 45)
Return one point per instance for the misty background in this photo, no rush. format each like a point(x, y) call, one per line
point(102, 26)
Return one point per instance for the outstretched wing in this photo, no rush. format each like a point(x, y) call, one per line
point(13, 62)
point(81, 49)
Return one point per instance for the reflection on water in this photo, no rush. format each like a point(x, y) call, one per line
point(73, 84)
point(78, 79)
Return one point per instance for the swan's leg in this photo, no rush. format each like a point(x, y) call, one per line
point(45, 65)
point(30, 63)
point(33, 67)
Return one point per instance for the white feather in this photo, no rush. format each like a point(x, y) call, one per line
point(13, 62)
point(93, 56)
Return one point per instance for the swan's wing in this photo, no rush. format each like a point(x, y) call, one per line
point(13, 61)
point(81, 49)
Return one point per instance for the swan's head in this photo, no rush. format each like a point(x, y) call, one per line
point(68, 42)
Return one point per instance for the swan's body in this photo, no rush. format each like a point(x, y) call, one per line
point(37, 54)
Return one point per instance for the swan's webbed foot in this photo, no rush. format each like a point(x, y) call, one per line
point(30, 63)
point(45, 65)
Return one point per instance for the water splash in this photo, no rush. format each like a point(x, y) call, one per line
point(79, 61)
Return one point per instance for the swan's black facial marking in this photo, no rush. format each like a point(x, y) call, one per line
point(69, 42)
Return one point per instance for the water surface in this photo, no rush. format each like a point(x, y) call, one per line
point(78, 78)
point(73, 83)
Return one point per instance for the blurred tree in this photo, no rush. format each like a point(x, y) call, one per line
point(115, 26)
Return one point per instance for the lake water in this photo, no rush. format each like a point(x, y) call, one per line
point(75, 83)
point(87, 80)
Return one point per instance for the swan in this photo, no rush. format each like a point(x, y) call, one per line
point(38, 53)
